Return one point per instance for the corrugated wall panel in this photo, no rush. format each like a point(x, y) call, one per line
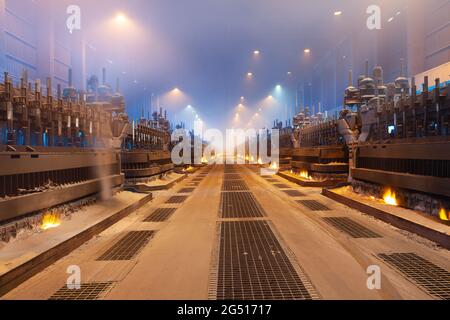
point(437, 33)
point(19, 39)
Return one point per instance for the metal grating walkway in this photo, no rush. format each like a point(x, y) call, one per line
point(234, 185)
point(240, 205)
point(87, 291)
point(435, 280)
point(127, 247)
point(176, 199)
point(160, 215)
point(313, 205)
point(252, 265)
point(351, 227)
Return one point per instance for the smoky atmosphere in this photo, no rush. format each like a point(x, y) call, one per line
point(223, 156)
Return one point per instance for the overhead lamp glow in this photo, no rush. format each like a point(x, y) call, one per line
point(307, 50)
point(338, 13)
point(278, 87)
point(120, 18)
point(250, 74)
point(256, 52)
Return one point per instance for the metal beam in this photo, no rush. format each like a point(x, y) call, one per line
point(18, 206)
point(426, 184)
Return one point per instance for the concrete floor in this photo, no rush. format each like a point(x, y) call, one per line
point(176, 264)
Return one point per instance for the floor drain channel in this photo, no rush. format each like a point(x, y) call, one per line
point(252, 265)
point(351, 227)
point(313, 205)
point(435, 280)
point(234, 185)
point(176, 199)
point(160, 215)
point(127, 247)
point(87, 291)
point(240, 205)
point(294, 193)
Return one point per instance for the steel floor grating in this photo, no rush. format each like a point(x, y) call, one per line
point(252, 265)
point(294, 193)
point(234, 185)
point(240, 205)
point(127, 247)
point(281, 186)
point(160, 215)
point(435, 280)
point(232, 176)
point(313, 205)
point(176, 199)
point(87, 291)
point(351, 227)
point(186, 190)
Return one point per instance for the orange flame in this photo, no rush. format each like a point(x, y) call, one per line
point(188, 169)
point(390, 198)
point(50, 220)
point(443, 215)
point(305, 175)
point(274, 166)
